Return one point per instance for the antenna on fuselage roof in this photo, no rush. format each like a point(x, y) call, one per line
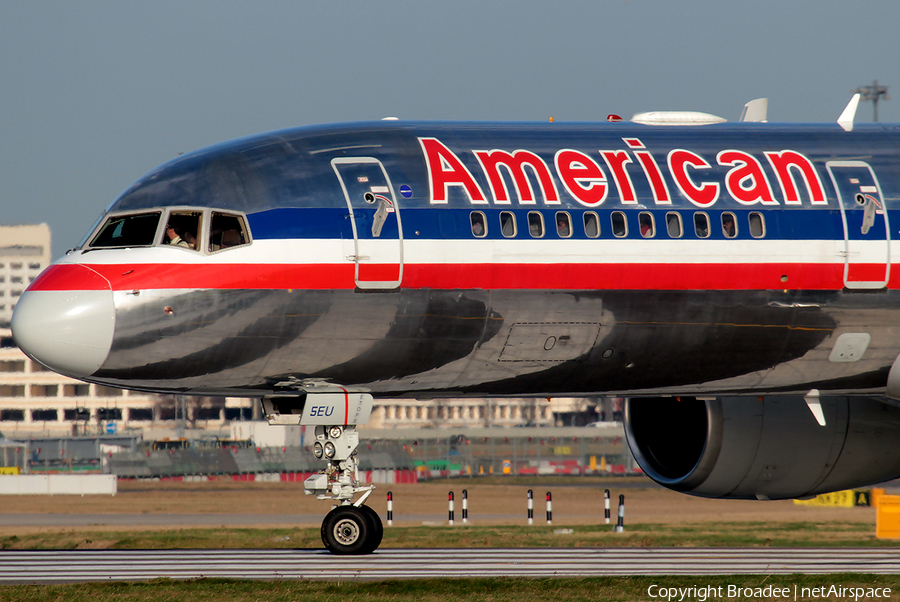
point(849, 114)
point(755, 110)
point(676, 118)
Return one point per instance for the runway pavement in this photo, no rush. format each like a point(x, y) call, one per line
point(139, 565)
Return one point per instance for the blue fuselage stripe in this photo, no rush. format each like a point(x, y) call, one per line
point(455, 224)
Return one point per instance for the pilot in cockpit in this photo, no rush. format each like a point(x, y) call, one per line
point(180, 237)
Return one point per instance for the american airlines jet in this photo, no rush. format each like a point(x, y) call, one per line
point(733, 280)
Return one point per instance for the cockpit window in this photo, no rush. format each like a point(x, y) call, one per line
point(93, 229)
point(193, 229)
point(135, 230)
point(183, 229)
point(226, 230)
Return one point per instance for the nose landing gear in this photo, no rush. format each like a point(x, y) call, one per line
point(350, 527)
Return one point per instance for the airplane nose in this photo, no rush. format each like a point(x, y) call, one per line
point(66, 320)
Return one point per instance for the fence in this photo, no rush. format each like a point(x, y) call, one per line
point(520, 455)
point(427, 457)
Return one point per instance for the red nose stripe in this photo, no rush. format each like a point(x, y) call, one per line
point(69, 277)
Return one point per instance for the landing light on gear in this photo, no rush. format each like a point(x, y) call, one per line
point(350, 527)
point(330, 450)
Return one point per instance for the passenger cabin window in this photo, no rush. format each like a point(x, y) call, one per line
point(535, 224)
point(227, 230)
point(701, 225)
point(135, 230)
point(729, 225)
point(757, 225)
point(563, 224)
point(591, 225)
point(507, 224)
point(479, 226)
point(183, 229)
point(673, 224)
point(646, 222)
point(619, 225)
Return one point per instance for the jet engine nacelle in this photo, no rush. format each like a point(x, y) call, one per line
point(769, 447)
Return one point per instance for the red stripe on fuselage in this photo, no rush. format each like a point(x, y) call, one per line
point(601, 276)
point(69, 277)
point(124, 277)
point(627, 276)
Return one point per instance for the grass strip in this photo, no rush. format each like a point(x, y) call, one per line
point(608, 589)
point(713, 534)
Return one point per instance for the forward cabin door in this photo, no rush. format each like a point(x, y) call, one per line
point(375, 221)
point(867, 232)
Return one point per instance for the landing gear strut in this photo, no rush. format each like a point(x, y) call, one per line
point(350, 527)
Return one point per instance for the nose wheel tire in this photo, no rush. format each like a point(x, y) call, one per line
point(377, 528)
point(348, 530)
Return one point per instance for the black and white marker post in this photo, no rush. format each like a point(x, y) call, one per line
point(620, 526)
point(606, 506)
point(450, 508)
point(390, 508)
point(530, 507)
point(465, 506)
point(549, 509)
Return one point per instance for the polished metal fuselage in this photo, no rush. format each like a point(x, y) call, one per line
point(454, 343)
point(434, 338)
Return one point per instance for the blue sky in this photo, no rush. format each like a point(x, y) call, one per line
point(95, 93)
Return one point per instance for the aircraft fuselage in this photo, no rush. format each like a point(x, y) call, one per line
point(453, 259)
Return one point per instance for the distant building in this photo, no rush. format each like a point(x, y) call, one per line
point(35, 401)
point(24, 252)
point(463, 413)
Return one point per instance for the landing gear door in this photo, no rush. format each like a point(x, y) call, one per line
point(867, 233)
point(375, 221)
